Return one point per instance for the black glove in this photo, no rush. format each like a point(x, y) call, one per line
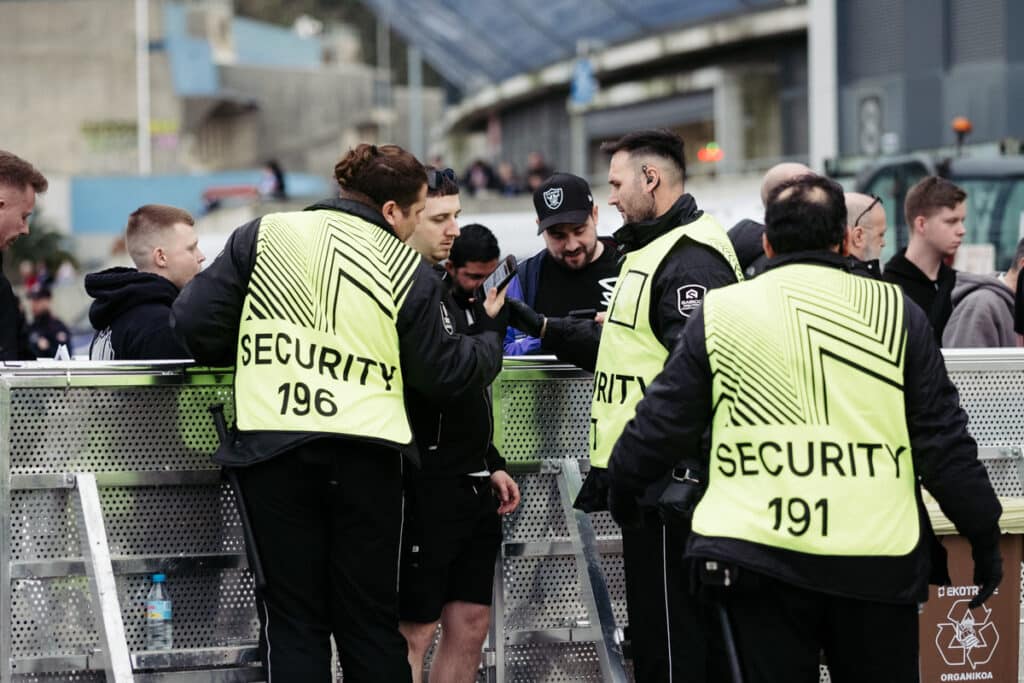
point(524, 318)
point(988, 568)
point(680, 497)
point(624, 508)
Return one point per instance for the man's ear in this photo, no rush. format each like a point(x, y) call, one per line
point(767, 246)
point(449, 267)
point(918, 224)
point(593, 213)
point(159, 257)
point(391, 212)
point(856, 235)
point(652, 178)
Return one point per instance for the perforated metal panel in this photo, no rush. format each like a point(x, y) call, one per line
point(539, 516)
point(552, 663)
point(113, 428)
point(140, 427)
point(124, 427)
point(991, 399)
point(542, 593)
point(54, 617)
point(147, 520)
point(544, 418)
point(69, 677)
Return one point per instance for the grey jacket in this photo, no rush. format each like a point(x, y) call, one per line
point(982, 313)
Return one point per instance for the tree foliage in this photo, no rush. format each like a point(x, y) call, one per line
point(43, 244)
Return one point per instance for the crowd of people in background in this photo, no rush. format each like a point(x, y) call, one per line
point(481, 178)
point(402, 344)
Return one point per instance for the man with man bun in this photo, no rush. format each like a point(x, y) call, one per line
point(328, 317)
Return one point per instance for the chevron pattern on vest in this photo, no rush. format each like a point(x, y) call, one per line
point(768, 341)
point(721, 244)
point(303, 259)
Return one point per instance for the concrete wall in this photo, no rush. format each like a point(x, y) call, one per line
point(68, 79)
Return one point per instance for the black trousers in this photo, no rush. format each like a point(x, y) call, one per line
point(670, 631)
point(780, 630)
point(327, 517)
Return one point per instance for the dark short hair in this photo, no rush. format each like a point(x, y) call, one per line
point(444, 183)
point(474, 243)
point(16, 172)
point(383, 173)
point(661, 143)
point(929, 195)
point(807, 213)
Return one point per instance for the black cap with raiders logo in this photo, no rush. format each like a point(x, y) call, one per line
point(563, 198)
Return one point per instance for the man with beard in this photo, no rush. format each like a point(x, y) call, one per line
point(865, 231)
point(577, 270)
point(20, 182)
point(675, 253)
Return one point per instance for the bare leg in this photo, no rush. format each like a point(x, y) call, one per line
point(419, 637)
point(463, 630)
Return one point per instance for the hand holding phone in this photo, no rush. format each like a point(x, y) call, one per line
point(501, 276)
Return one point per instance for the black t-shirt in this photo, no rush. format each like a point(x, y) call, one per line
point(561, 290)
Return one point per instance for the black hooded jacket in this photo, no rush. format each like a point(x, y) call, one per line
point(132, 316)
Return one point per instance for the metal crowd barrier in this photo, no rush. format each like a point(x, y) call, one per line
point(105, 478)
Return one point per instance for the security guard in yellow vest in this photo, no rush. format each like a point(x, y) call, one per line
point(827, 402)
point(674, 254)
point(327, 317)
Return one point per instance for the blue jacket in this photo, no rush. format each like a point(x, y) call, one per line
point(517, 342)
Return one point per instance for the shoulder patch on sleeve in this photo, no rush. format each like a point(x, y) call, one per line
point(689, 298)
point(446, 320)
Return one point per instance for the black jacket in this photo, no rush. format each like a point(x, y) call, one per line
point(454, 436)
point(45, 335)
point(687, 263)
point(673, 416)
point(132, 316)
point(206, 318)
point(746, 242)
point(13, 340)
point(934, 298)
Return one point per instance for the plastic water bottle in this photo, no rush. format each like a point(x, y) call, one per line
point(158, 616)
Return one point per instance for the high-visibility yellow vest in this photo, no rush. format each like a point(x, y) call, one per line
point(630, 355)
point(809, 443)
point(317, 346)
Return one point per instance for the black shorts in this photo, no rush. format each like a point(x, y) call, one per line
point(451, 538)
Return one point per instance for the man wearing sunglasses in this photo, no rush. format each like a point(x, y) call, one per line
point(865, 231)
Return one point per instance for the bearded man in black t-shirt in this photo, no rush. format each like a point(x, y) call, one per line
point(576, 272)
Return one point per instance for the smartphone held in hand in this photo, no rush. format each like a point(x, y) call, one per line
point(502, 275)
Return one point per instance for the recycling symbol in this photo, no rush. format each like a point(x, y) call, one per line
point(964, 639)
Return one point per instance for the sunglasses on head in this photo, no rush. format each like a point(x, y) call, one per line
point(436, 176)
point(875, 199)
